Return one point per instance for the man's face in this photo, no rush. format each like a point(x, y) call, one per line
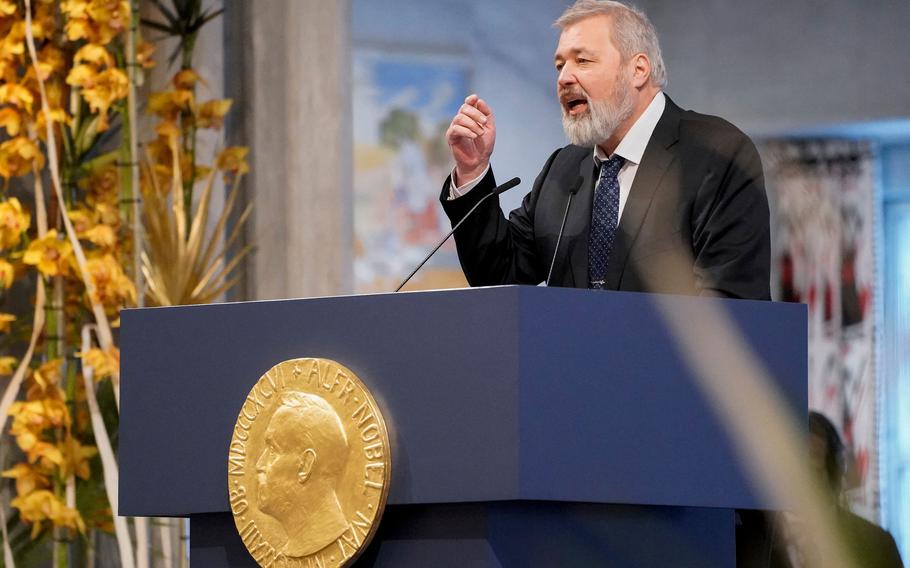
point(594, 85)
point(276, 468)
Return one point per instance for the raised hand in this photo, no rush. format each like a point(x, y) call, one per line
point(471, 136)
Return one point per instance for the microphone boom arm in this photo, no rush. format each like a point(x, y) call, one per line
point(496, 191)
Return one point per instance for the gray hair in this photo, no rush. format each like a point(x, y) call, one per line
point(633, 32)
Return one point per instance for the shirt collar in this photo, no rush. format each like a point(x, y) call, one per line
point(632, 146)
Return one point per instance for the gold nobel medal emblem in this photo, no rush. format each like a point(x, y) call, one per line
point(309, 466)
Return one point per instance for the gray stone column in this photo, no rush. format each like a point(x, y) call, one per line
point(288, 68)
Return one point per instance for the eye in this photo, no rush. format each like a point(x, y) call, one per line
point(559, 66)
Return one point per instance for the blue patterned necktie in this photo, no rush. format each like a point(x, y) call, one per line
point(604, 219)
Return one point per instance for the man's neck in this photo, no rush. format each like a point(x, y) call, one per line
point(642, 100)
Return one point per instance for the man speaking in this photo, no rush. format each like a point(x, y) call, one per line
point(665, 200)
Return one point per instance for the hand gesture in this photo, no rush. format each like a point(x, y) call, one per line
point(471, 136)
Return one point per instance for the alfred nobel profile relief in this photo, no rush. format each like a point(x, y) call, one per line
point(298, 471)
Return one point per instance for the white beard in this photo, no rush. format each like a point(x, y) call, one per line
point(601, 119)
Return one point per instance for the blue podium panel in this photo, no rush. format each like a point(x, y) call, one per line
point(611, 413)
point(443, 368)
point(492, 394)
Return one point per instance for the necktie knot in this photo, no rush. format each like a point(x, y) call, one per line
point(611, 166)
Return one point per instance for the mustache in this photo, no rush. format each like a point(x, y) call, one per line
point(571, 93)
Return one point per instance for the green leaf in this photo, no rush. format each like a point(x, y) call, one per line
point(159, 27)
point(209, 17)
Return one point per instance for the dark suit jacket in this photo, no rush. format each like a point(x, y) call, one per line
point(695, 222)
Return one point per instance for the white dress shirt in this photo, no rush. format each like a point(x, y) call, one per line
point(631, 148)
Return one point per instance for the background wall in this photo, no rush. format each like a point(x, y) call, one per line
point(779, 67)
point(510, 44)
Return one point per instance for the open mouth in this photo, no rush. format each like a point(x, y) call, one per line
point(576, 105)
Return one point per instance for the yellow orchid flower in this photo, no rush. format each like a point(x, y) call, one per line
point(94, 54)
point(42, 505)
point(98, 21)
point(52, 56)
point(44, 21)
point(9, 70)
point(144, 54)
point(107, 213)
point(81, 219)
point(169, 104)
point(7, 274)
point(58, 116)
point(6, 320)
point(50, 254)
point(46, 454)
point(7, 365)
point(233, 159)
point(112, 287)
point(186, 79)
point(32, 417)
point(103, 363)
point(10, 120)
point(57, 94)
point(109, 86)
point(75, 8)
point(13, 44)
point(7, 7)
point(13, 222)
point(78, 28)
point(103, 187)
point(211, 114)
point(18, 155)
point(17, 95)
point(28, 478)
point(83, 76)
point(25, 438)
point(112, 15)
point(100, 235)
point(28, 417)
point(48, 374)
point(76, 458)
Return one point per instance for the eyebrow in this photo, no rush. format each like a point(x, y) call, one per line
point(573, 51)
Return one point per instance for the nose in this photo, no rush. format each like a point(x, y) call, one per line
point(260, 463)
point(566, 76)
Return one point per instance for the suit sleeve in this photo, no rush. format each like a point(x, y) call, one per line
point(731, 231)
point(493, 250)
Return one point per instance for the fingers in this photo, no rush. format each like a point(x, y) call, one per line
point(473, 113)
point(483, 107)
point(458, 131)
point(471, 122)
point(463, 120)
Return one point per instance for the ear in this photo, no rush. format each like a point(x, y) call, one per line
point(641, 70)
point(305, 467)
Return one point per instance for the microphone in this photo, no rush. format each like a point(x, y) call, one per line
point(496, 191)
point(572, 191)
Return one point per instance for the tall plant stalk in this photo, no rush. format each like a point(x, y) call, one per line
point(183, 19)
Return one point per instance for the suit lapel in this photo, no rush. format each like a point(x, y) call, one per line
point(654, 163)
point(579, 223)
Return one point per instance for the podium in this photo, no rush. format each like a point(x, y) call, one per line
point(529, 426)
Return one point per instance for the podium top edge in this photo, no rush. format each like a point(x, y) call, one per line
point(518, 288)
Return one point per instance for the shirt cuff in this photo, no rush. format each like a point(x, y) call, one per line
point(456, 192)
